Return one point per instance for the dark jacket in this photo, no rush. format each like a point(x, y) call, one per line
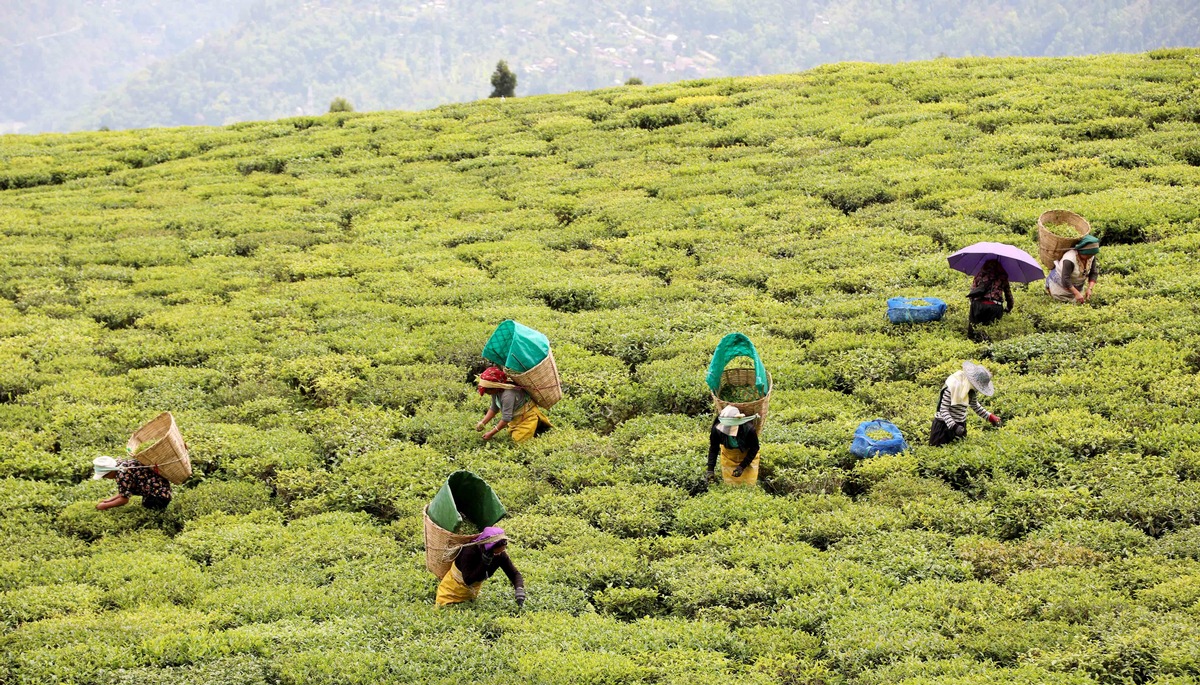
point(476, 565)
point(747, 439)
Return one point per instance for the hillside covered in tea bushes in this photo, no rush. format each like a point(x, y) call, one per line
point(309, 297)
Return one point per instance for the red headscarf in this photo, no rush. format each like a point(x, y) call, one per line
point(494, 374)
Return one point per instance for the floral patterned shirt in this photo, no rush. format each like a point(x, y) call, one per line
point(137, 479)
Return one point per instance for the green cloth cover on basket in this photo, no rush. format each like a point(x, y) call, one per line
point(516, 347)
point(465, 494)
point(732, 346)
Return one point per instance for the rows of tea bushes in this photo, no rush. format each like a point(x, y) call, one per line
point(309, 297)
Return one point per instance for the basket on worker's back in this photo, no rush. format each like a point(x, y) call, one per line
point(166, 452)
point(749, 388)
point(1050, 246)
point(541, 382)
point(742, 379)
point(438, 541)
point(464, 496)
point(525, 356)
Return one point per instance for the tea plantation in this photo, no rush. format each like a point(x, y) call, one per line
point(309, 297)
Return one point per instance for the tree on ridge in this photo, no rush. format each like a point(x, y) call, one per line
point(504, 81)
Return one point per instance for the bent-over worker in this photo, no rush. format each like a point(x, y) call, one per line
point(133, 478)
point(474, 563)
point(959, 393)
point(518, 413)
point(734, 437)
point(1078, 265)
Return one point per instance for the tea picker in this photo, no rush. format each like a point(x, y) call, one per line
point(995, 266)
point(733, 437)
point(523, 382)
point(133, 478)
point(475, 562)
point(160, 458)
point(741, 396)
point(991, 296)
point(518, 413)
point(462, 560)
point(1071, 260)
point(959, 392)
point(1074, 275)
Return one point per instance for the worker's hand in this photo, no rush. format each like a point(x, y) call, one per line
point(520, 595)
point(710, 475)
point(489, 435)
point(960, 430)
point(993, 419)
point(112, 502)
point(737, 472)
point(1080, 298)
point(481, 425)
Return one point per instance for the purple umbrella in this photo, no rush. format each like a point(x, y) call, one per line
point(1017, 263)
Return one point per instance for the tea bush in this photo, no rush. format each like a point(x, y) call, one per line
point(224, 497)
point(310, 297)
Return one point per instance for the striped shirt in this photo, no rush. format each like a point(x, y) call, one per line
point(954, 414)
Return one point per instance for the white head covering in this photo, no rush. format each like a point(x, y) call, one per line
point(731, 412)
point(102, 466)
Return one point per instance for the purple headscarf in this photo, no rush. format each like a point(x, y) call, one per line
point(490, 532)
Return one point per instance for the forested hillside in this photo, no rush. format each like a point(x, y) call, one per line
point(57, 56)
point(310, 297)
point(85, 65)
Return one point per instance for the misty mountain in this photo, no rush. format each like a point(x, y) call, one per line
point(70, 64)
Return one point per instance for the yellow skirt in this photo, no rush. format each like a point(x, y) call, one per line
point(525, 424)
point(730, 460)
point(452, 589)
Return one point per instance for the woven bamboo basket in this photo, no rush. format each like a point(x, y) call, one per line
point(437, 541)
point(541, 382)
point(744, 377)
point(167, 453)
point(1050, 246)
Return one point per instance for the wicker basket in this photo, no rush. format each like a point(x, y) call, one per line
point(744, 377)
point(541, 382)
point(168, 453)
point(437, 541)
point(1050, 246)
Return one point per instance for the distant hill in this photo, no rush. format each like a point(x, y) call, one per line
point(57, 56)
point(140, 64)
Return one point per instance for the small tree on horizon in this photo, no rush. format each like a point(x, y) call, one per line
point(633, 81)
point(504, 81)
point(341, 104)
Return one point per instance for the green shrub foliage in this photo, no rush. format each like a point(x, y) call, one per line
point(310, 297)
